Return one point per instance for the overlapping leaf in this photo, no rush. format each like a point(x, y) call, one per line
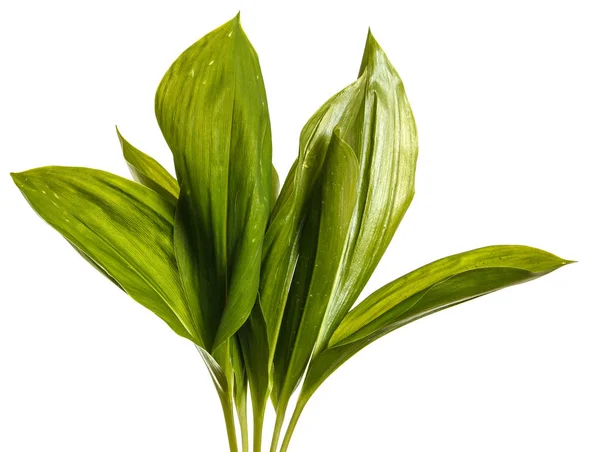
point(149, 172)
point(282, 239)
point(374, 118)
point(123, 228)
point(431, 288)
point(335, 201)
point(263, 281)
point(211, 107)
point(385, 138)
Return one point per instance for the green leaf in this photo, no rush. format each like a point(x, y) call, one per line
point(149, 172)
point(374, 117)
point(431, 288)
point(335, 205)
point(297, 297)
point(382, 131)
point(281, 246)
point(211, 107)
point(217, 374)
point(123, 228)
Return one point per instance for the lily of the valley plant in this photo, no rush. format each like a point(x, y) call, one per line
point(265, 282)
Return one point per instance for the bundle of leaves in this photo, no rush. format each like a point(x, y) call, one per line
point(265, 282)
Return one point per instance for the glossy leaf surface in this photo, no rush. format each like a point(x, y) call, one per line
point(431, 288)
point(336, 202)
point(263, 280)
point(149, 172)
point(122, 227)
point(383, 133)
point(375, 120)
point(282, 239)
point(211, 107)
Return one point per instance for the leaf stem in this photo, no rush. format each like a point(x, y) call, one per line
point(229, 421)
point(258, 414)
point(243, 420)
point(292, 425)
point(281, 409)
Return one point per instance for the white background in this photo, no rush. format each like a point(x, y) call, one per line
point(506, 97)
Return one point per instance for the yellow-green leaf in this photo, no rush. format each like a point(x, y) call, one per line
point(383, 133)
point(123, 228)
point(429, 289)
point(149, 172)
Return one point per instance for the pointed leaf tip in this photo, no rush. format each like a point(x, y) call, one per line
point(16, 177)
point(372, 50)
point(147, 171)
point(371, 44)
point(370, 36)
point(236, 22)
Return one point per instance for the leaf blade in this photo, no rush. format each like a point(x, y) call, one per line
point(123, 228)
point(148, 171)
point(383, 133)
point(211, 107)
point(281, 245)
point(448, 282)
point(498, 257)
point(336, 202)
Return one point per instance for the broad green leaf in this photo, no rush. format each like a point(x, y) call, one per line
point(431, 288)
point(280, 251)
point(149, 172)
point(123, 228)
point(384, 136)
point(211, 107)
point(376, 120)
point(368, 314)
point(336, 202)
point(281, 246)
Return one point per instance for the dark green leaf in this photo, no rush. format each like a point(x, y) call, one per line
point(211, 107)
point(282, 239)
point(297, 296)
point(336, 203)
